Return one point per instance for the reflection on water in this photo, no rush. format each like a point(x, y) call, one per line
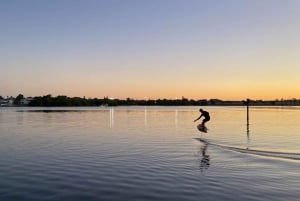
point(205, 160)
point(248, 132)
point(145, 117)
point(176, 118)
point(111, 117)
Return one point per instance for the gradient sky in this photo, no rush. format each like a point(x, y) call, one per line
point(200, 49)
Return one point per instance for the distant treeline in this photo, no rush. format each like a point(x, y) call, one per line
point(48, 100)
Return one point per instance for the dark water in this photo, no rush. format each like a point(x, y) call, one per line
point(152, 153)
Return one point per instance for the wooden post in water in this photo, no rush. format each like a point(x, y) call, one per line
point(247, 103)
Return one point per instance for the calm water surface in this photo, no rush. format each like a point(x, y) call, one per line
point(149, 153)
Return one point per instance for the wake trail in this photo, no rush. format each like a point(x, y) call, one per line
point(276, 154)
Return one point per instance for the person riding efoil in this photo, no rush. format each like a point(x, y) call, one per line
point(204, 114)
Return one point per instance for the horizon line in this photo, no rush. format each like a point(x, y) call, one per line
point(160, 98)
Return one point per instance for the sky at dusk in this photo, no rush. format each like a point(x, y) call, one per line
point(199, 49)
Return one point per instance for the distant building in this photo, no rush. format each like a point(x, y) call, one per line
point(7, 102)
point(3, 102)
point(25, 101)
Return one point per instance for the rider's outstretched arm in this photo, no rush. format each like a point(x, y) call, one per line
point(197, 119)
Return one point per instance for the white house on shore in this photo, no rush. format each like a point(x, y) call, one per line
point(7, 101)
point(10, 102)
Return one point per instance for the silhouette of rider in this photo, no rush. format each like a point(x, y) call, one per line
point(204, 114)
